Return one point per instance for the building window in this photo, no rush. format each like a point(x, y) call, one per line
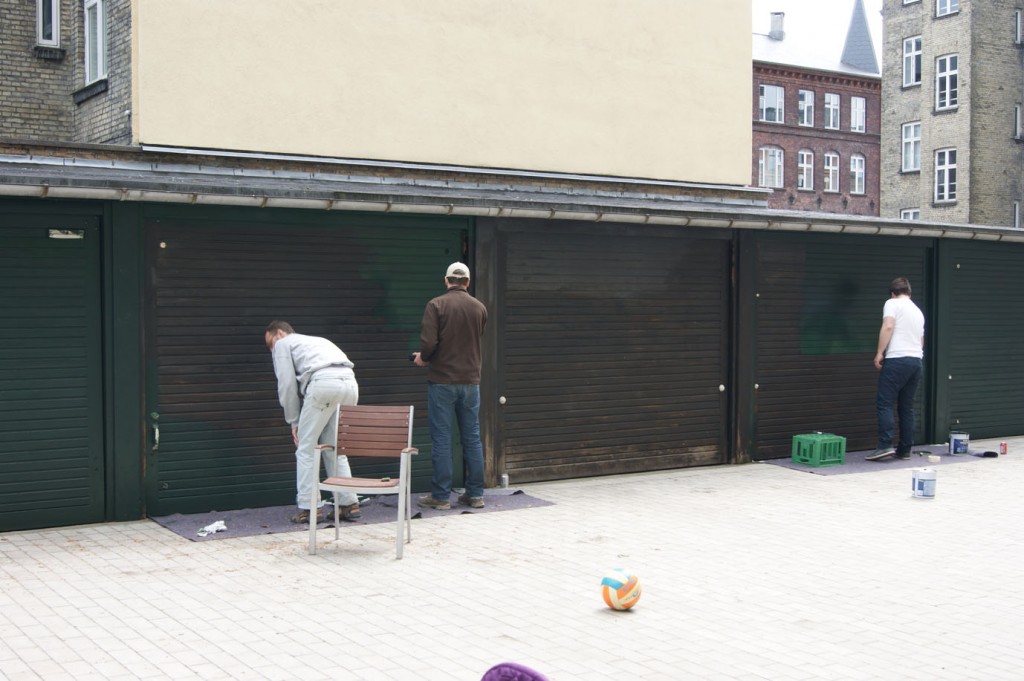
point(1018, 25)
point(831, 111)
point(910, 214)
point(805, 169)
point(771, 103)
point(769, 168)
point(911, 146)
point(945, 175)
point(95, 40)
point(944, 7)
point(910, 2)
point(805, 108)
point(856, 174)
point(858, 108)
point(1016, 214)
point(48, 22)
point(1018, 131)
point(946, 72)
point(912, 61)
point(831, 172)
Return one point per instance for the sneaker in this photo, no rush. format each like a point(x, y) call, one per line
point(472, 502)
point(880, 453)
point(436, 504)
point(903, 456)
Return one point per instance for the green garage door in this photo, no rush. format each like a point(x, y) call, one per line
point(985, 374)
point(214, 284)
point(51, 392)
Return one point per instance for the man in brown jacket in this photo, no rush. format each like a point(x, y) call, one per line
point(450, 333)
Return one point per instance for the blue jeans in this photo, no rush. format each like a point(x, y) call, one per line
point(463, 401)
point(897, 385)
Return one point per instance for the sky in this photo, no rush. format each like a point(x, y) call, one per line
point(815, 30)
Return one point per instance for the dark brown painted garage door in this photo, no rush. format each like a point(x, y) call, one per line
point(818, 311)
point(613, 348)
point(214, 285)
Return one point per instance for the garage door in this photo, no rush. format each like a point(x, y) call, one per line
point(613, 352)
point(215, 284)
point(818, 311)
point(51, 392)
point(985, 379)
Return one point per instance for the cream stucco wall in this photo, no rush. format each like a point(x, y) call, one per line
point(637, 88)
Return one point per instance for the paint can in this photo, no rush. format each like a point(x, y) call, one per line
point(959, 443)
point(1003, 448)
point(923, 483)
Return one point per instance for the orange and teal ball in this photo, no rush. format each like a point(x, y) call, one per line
point(620, 589)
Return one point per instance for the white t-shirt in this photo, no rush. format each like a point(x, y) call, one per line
point(906, 336)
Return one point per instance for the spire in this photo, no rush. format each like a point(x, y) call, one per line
point(859, 51)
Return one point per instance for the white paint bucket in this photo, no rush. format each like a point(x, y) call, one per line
point(959, 443)
point(923, 483)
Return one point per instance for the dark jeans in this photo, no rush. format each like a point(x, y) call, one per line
point(897, 385)
point(463, 402)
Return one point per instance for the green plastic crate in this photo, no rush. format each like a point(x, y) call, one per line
point(819, 449)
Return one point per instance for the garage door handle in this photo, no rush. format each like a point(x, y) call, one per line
point(156, 430)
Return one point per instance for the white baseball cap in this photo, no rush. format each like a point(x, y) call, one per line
point(457, 270)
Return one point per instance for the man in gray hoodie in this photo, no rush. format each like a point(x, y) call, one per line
point(313, 377)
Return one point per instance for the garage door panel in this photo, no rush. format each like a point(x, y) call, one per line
point(612, 348)
point(51, 391)
point(214, 286)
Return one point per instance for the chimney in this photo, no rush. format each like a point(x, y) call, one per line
point(777, 33)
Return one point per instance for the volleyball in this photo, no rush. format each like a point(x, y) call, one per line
point(620, 589)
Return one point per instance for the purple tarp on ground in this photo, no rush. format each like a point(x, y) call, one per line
point(247, 522)
point(856, 463)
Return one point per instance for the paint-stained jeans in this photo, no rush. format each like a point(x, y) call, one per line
point(318, 424)
point(463, 402)
point(897, 385)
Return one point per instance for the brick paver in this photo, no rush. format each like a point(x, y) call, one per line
point(749, 572)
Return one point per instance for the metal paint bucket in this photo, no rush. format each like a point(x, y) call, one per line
point(923, 483)
point(959, 443)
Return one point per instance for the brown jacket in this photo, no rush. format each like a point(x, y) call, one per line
point(450, 335)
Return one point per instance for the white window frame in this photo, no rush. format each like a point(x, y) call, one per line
point(95, 40)
point(911, 135)
point(1018, 129)
point(858, 114)
point(770, 167)
point(805, 170)
point(910, 2)
point(945, 176)
point(805, 108)
point(830, 177)
point(910, 214)
point(1018, 25)
point(857, 173)
point(1016, 214)
point(54, 8)
point(912, 61)
point(946, 7)
point(833, 103)
point(947, 82)
point(779, 95)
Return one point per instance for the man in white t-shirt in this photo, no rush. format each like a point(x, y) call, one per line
point(899, 360)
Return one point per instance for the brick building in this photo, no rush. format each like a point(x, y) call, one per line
point(951, 120)
point(816, 108)
point(66, 71)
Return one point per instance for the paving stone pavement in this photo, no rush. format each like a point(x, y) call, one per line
point(750, 572)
